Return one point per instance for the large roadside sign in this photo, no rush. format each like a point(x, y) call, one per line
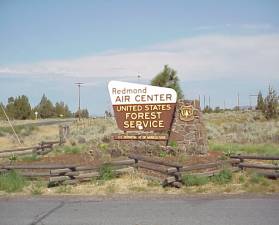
point(139, 107)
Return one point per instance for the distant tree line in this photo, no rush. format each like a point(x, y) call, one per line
point(269, 105)
point(19, 108)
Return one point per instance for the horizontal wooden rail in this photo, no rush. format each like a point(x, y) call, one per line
point(35, 174)
point(36, 166)
point(272, 175)
point(156, 161)
point(255, 157)
point(17, 149)
point(153, 167)
point(201, 166)
point(258, 166)
point(88, 175)
point(17, 153)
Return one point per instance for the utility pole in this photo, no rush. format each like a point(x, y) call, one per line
point(209, 101)
point(224, 104)
point(138, 78)
point(79, 85)
point(204, 102)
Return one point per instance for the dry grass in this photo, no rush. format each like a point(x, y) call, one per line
point(241, 128)
point(135, 184)
point(39, 134)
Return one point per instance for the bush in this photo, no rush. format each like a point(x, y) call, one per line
point(271, 104)
point(12, 182)
point(106, 173)
point(224, 177)
point(191, 180)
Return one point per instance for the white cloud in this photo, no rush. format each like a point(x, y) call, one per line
point(196, 58)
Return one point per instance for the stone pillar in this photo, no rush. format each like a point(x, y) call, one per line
point(188, 130)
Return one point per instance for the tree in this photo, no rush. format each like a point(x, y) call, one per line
point(83, 113)
point(22, 108)
point(271, 104)
point(207, 109)
point(10, 108)
point(260, 102)
point(2, 115)
point(168, 78)
point(62, 109)
point(45, 108)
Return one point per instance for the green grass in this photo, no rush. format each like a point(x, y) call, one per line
point(191, 180)
point(224, 177)
point(258, 179)
point(29, 158)
point(173, 144)
point(69, 149)
point(22, 130)
point(12, 182)
point(106, 173)
point(261, 149)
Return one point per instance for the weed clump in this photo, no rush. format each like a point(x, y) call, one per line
point(106, 173)
point(224, 177)
point(12, 182)
point(192, 180)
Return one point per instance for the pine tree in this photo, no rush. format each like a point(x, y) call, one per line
point(22, 108)
point(61, 109)
point(45, 108)
point(271, 104)
point(10, 108)
point(168, 78)
point(260, 102)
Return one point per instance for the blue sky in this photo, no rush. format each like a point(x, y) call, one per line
point(218, 48)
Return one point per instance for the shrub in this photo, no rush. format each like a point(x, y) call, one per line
point(191, 180)
point(271, 104)
point(224, 177)
point(12, 182)
point(106, 173)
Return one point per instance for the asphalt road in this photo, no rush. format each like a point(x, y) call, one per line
point(140, 211)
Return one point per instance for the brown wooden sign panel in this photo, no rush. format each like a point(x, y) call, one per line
point(151, 117)
point(139, 107)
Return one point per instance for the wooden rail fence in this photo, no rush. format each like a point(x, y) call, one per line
point(42, 148)
point(169, 173)
point(173, 172)
point(267, 170)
